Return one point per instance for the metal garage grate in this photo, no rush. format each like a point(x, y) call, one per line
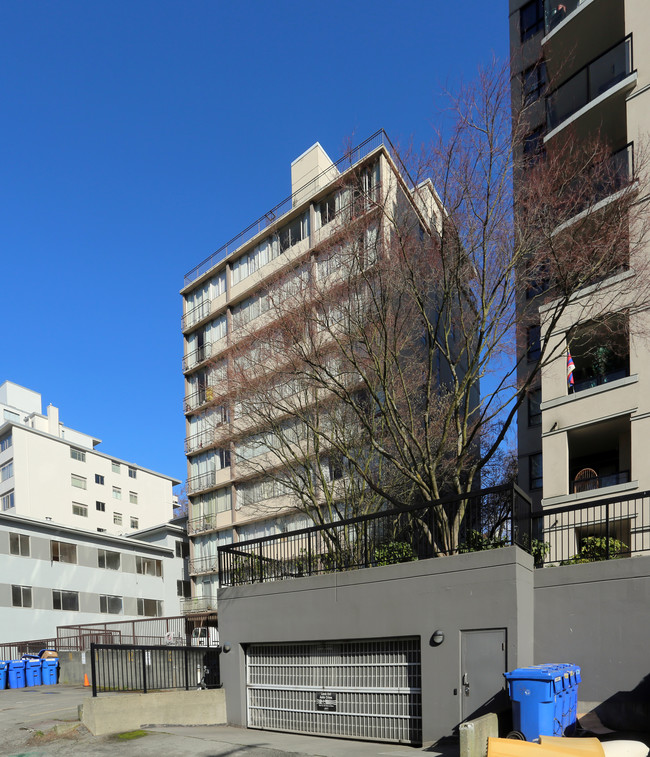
point(356, 689)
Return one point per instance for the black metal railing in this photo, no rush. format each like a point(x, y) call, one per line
point(589, 382)
point(145, 668)
point(351, 157)
point(605, 529)
point(487, 519)
point(603, 73)
point(599, 482)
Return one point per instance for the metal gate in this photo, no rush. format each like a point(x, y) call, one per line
point(356, 689)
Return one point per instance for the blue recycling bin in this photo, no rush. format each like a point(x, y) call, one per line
point(3, 674)
point(544, 699)
point(50, 671)
point(33, 675)
point(16, 674)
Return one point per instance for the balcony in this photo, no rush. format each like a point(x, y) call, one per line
point(196, 314)
point(587, 480)
point(198, 604)
point(201, 482)
point(201, 396)
point(197, 356)
point(599, 456)
point(600, 353)
point(203, 565)
point(592, 81)
point(206, 438)
point(202, 524)
point(556, 12)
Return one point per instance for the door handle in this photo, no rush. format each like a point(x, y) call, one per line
point(465, 684)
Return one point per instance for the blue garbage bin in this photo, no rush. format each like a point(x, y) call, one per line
point(3, 674)
point(50, 671)
point(16, 674)
point(544, 699)
point(33, 676)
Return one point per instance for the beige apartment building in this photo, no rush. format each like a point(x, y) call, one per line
point(226, 298)
point(581, 68)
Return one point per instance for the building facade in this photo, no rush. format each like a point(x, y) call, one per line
point(228, 297)
point(581, 71)
point(49, 472)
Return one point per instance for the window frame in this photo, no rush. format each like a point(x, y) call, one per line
point(142, 563)
point(81, 481)
point(24, 591)
point(8, 497)
point(59, 555)
point(78, 454)
point(63, 597)
point(105, 604)
point(99, 479)
point(107, 556)
point(531, 29)
point(20, 541)
point(535, 482)
point(82, 509)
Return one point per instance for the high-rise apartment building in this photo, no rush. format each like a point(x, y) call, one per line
point(226, 299)
point(581, 71)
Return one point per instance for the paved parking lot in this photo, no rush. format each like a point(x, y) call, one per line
point(43, 721)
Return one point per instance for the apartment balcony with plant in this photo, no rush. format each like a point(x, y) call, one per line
point(599, 456)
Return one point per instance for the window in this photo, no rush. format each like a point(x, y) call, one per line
point(78, 454)
point(5, 443)
point(132, 472)
point(182, 549)
point(183, 589)
point(63, 552)
point(65, 600)
point(134, 522)
point(133, 498)
point(117, 519)
point(531, 19)
point(150, 607)
point(8, 500)
point(115, 466)
point(534, 411)
point(534, 348)
point(101, 506)
point(7, 471)
point(21, 596)
point(78, 481)
point(109, 604)
point(534, 83)
point(108, 560)
point(117, 492)
point(535, 471)
point(148, 566)
point(19, 545)
point(78, 509)
point(534, 147)
point(99, 479)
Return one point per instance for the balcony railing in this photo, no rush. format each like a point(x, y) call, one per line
point(198, 604)
point(603, 529)
point(201, 524)
point(605, 378)
point(555, 11)
point(490, 518)
point(599, 482)
point(207, 438)
point(195, 314)
point(351, 157)
point(201, 397)
point(196, 357)
point(201, 482)
point(589, 82)
point(202, 565)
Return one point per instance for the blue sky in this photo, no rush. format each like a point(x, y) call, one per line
point(140, 135)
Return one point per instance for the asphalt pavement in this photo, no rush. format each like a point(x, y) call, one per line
point(44, 720)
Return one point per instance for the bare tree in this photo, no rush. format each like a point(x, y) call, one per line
point(388, 369)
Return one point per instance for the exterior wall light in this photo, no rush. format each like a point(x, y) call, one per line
point(437, 638)
point(226, 648)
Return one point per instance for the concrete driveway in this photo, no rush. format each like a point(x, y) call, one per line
point(43, 721)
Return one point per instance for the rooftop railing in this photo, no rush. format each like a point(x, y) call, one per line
point(483, 520)
point(349, 159)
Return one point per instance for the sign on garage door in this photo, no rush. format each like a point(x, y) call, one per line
point(356, 689)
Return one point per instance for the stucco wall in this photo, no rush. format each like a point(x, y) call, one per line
point(476, 591)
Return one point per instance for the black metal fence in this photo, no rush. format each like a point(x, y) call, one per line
point(487, 519)
point(603, 529)
point(145, 668)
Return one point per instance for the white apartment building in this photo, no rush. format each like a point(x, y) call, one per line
point(57, 575)
point(49, 472)
point(223, 298)
point(582, 70)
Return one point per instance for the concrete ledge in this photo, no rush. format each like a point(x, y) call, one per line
point(117, 713)
point(474, 735)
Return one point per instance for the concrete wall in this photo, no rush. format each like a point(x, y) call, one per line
point(476, 591)
point(126, 712)
point(597, 616)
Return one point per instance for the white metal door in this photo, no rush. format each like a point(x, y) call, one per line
point(356, 689)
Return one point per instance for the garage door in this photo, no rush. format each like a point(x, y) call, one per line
point(356, 689)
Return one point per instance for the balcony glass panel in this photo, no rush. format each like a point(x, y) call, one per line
point(555, 12)
point(591, 81)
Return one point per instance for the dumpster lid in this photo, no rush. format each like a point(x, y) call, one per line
point(545, 672)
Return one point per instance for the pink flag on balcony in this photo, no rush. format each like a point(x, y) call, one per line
point(570, 368)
